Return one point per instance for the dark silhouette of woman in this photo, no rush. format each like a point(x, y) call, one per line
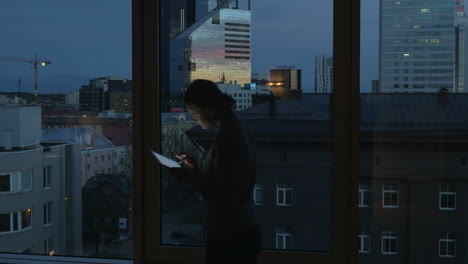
point(227, 177)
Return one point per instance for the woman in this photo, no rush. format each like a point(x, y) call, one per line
point(227, 178)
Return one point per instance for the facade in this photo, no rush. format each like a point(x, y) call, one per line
point(97, 151)
point(72, 98)
point(216, 48)
point(95, 97)
point(375, 86)
point(242, 97)
point(323, 74)
point(120, 101)
point(285, 81)
point(461, 46)
point(412, 176)
point(34, 179)
point(416, 46)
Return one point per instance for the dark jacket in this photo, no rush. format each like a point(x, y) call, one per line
point(228, 179)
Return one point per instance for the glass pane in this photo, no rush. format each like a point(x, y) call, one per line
point(65, 99)
point(275, 61)
point(5, 222)
point(413, 105)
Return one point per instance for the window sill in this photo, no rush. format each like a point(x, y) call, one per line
point(446, 256)
point(16, 232)
point(389, 253)
point(16, 192)
point(38, 259)
point(390, 206)
point(47, 188)
point(447, 209)
point(47, 225)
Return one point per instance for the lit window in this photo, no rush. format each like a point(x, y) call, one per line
point(389, 243)
point(447, 197)
point(447, 243)
point(390, 196)
point(284, 194)
point(425, 11)
point(283, 237)
point(406, 55)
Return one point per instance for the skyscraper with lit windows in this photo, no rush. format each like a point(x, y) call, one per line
point(416, 46)
point(216, 48)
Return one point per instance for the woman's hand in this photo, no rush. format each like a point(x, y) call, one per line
point(188, 161)
point(189, 173)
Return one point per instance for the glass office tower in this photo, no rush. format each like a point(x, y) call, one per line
point(216, 48)
point(417, 46)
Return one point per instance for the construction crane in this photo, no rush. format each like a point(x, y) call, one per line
point(36, 62)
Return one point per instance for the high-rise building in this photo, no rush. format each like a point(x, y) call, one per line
point(216, 48)
point(285, 81)
point(375, 86)
point(461, 46)
point(416, 46)
point(96, 96)
point(323, 74)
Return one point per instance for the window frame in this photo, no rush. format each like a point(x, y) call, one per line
point(361, 244)
point(281, 193)
point(389, 235)
point(146, 127)
point(447, 193)
point(390, 192)
point(446, 241)
point(258, 187)
point(286, 233)
point(363, 189)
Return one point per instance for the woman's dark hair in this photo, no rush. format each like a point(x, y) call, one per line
point(206, 93)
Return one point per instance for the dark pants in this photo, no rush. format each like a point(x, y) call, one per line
point(240, 248)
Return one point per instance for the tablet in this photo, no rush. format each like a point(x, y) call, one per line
point(165, 161)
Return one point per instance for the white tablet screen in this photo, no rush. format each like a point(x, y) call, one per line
point(166, 161)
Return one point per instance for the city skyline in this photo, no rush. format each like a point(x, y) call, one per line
point(95, 47)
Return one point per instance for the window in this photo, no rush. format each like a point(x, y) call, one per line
point(284, 193)
point(16, 181)
point(283, 237)
point(447, 197)
point(364, 242)
point(447, 245)
point(15, 221)
point(364, 195)
point(102, 157)
point(4, 182)
point(390, 196)
point(95, 159)
point(389, 243)
point(48, 246)
point(258, 193)
point(47, 175)
point(48, 213)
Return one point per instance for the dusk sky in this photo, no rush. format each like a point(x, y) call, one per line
point(92, 38)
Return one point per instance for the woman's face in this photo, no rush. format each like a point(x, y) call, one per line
point(203, 116)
